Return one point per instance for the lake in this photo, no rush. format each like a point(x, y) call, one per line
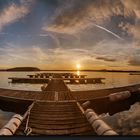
point(112, 80)
point(126, 122)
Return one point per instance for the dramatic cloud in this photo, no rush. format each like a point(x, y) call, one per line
point(75, 16)
point(79, 15)
point(13, 13)
point(132, 6)
point(132, 30)
point(94, 33)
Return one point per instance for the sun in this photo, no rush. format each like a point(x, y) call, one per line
point(78, 66)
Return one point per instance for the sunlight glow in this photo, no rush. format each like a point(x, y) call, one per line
point(78, 73)
point(78, 66)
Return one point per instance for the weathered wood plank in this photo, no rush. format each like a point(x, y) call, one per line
point(61, 132)
point(57, 123)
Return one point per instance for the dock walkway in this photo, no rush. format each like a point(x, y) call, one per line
point(57, 118)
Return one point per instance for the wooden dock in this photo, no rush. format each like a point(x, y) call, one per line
point(56, 75)
point(57, 118)
point(56, 109)
point(69, 78)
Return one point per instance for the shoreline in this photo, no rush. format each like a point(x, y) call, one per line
point(115, 71)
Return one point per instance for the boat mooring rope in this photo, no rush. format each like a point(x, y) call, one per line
point(28, 129)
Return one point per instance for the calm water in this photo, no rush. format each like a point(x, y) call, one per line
point(125, 123)
point(112, 80)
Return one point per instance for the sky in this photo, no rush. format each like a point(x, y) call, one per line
point(59, 34)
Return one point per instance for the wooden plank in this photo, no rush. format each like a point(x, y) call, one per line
point(58, 127)
point(63, 122)
point(56, 122)
point(61, 132)
point(56, 96)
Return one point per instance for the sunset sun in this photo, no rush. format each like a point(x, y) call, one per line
point(78, 66)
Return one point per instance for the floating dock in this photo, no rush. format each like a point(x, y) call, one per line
point(56, 75)
point(67, 80)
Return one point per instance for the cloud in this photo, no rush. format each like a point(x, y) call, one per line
point(13, 13)
point(135, 61)
point(132, 29)
point(132, 6)
point(135, 31)
point(106, 59)
point(50, 58)
point(101, 55)
point(133, 9)
point(76, 16)
point(17, 56)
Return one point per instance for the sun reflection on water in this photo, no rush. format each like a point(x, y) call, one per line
point(78, 72)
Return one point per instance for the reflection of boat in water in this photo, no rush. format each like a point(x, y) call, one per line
point(59, 111)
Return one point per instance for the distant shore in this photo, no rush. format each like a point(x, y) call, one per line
point(97, 70)
point(29, 69)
